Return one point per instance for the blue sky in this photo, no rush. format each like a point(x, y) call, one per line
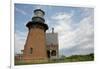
point(75, 26)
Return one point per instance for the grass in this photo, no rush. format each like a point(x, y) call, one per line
point(75, 58)
point(63, 59)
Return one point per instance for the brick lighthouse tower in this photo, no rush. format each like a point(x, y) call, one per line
point(35, 46)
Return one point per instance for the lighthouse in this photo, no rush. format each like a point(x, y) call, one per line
point(35, 46)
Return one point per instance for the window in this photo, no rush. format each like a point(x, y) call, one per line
point(48, 53)
point(31, 50)
point(53, 53)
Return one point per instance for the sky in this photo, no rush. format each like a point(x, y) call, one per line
point(74, 25)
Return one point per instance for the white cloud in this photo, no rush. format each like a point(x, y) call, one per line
point(77, 41)
point(63, 21)
point(39, 7)
point(63, 27)
point(20, 39)
point(21, 11)
point(62, 16)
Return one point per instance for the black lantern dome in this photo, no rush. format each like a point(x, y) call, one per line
point(39, 13)
point(38, 16)
point(38, 20)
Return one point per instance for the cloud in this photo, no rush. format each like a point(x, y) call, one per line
point(62, 21)
point(21, 11)
point(75, 41)
point(62, 16)
point(87, 11)
point(39, 7)
point(20, 39)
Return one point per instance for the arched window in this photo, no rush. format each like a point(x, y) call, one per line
point(53, 53)
point(31, 50)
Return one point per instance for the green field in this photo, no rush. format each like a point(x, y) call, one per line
point(63, 59)
point(75, 58)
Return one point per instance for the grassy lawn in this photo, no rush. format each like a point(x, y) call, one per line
point(63, 59)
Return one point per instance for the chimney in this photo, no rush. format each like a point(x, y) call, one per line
point(52, 30)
